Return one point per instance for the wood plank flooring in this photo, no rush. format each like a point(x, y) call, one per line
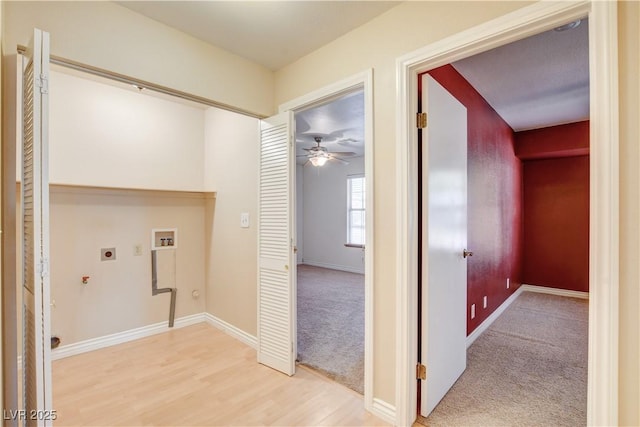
point(196, 376)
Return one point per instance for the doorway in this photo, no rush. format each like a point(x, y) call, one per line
point(331, 223)
point(506, 129)
point(602, 386)
point(361, 83)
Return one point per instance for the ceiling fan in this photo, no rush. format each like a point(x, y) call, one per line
point(319, 155)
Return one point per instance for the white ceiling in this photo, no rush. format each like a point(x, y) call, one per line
point(271, 33)
point(536, 82)
point(340, 124)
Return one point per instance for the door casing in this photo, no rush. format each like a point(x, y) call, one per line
point(602, 392)
point(363, 80)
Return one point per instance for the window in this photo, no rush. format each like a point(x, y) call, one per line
point(355, 210)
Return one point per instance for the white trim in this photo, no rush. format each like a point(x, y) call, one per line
point(492, 317)
point(383, 410)
point(231, 330)
point(330, 92)
point(604, 214)
point(602, 407)
point(327, 93)
point(146, 331)
point(333, 266)
point(122, 337)
point(554, 291)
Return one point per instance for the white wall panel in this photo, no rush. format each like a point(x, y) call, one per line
point(108, 136)
point(300, 212)
point(325, 216)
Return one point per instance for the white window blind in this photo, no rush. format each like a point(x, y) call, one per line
point(356, 210)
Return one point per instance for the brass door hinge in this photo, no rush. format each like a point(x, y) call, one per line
point(421, 372)
point(421, 120)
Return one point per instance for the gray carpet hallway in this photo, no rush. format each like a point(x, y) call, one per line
point(331, 324)
point(529, 368)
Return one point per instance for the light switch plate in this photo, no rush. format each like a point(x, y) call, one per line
point(244, 220)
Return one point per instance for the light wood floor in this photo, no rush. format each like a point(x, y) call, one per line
point(196, 376)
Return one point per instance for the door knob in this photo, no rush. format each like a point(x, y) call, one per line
point(466, 253)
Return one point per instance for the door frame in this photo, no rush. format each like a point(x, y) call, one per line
point(363, 80)
point(602, 388)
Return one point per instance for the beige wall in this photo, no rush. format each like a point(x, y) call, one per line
point(376, 45)
point(629, 60)
point(231, 158)
point(106, 35)
point(114, 136)
point(118, 296)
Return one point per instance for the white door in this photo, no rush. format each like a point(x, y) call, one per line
point(276, 262)
point(444, 225)
point(37, 396)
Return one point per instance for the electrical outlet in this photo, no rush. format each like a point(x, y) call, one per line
point(244, 220)
point(484, 302)
point(107, 254)
point(473, 311)
point(137, 250)
point(507, 283)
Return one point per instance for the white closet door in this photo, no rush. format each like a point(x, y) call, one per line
point(277, 266)
point(35, 233)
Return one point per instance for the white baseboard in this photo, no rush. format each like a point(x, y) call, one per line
point(229, 329)
point(122, 337)
point(383, 410)
point(555, 291)
point(145, 331)
point(523, 288)
point(492, 317)
point(334, 266)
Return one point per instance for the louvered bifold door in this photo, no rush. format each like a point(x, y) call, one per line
point(276, 269)
point(35, 234)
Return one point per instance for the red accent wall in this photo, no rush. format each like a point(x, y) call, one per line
point(495, 230)
point(556, 208)
point(556, 141)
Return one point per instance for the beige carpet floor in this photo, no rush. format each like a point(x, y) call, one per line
point(528, 369)
point(331, 324)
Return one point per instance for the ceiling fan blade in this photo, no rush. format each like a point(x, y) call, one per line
point(344, 162)
point(343, 153)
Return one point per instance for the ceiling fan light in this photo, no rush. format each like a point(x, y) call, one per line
point(318, 160)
